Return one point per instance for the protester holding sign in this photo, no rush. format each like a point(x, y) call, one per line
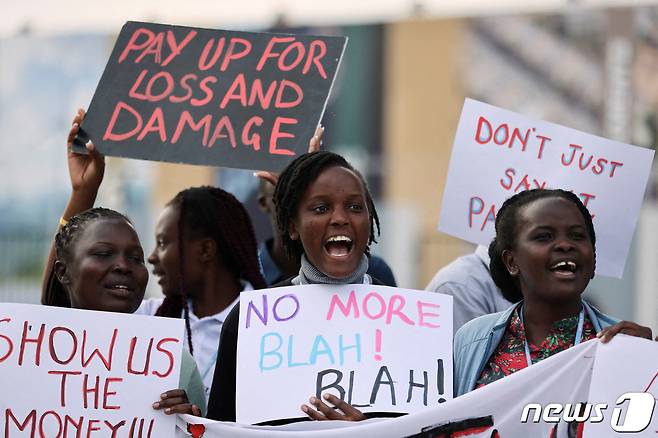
point(216, 261)
point(498, 153)
point(327, 219)
point(99, 265)
point(543, 254)
point(202, 96)
point(205, 255)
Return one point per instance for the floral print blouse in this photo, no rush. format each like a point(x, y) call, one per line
point(509, 357)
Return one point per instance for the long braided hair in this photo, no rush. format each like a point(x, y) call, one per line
point(212, 212)
point(506, 235)
point(65, 240)
point(293, 183)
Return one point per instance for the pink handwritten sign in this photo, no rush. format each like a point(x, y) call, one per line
point(379, 348)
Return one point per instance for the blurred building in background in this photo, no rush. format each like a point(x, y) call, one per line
point(393, 111)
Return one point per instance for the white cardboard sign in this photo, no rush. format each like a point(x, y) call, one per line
point(625, 378)
point(80, 373)
point(381, 349)
point(498, 153)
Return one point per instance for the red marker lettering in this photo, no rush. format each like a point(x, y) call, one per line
point(155, 124)
point(277, 134)
point(134, 45)
point(232, 55)
point(62, 384)
point(204, 64)
point(296, 89)
point(120, 106)
point(510, 179)
point(253, 139)
point(107, 393)
point(267, 53)
point(240, 85)
point(160, 347)
point(176, 48)
point(264, 97)
point(187, 120)
point(209, 93)
point(25, 340)
point(315, 58)
point(10, 343)
point(224, 124)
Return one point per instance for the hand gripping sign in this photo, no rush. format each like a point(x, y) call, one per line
point(498, 153)
point(215, 97)
point(381, 349)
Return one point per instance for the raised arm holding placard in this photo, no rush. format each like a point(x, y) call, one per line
point(215, 293)
point(219, 287)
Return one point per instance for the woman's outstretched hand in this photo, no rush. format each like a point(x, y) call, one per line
point(340, 410)
point(625, 327)
point(86, 171)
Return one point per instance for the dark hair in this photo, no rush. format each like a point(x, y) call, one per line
point(215, 213)
point(506, 234)
point(65, 239)
point(293, 183)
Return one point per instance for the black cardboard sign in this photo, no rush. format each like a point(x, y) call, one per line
point(213, 97)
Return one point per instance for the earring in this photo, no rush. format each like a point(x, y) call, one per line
point(514, 270)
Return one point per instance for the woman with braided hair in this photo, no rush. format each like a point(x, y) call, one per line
point(99, 265)
point(205, 254)
point(327, 221)
point(542, 258)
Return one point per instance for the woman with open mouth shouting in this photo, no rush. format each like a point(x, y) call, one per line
point(327, 220)
point(542, 258)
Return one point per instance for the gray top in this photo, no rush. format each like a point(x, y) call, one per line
point(468, 281)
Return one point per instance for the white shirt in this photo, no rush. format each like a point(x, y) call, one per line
point(205, 335)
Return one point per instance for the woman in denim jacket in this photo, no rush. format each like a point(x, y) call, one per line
point(542, 259)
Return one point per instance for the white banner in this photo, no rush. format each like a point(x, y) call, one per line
point(498, 153)
point(382, 349)
point(79, 373)
point(531, 403)
point(632, 370)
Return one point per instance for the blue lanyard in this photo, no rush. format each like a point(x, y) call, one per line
point(576, 341)
point(211, 365)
